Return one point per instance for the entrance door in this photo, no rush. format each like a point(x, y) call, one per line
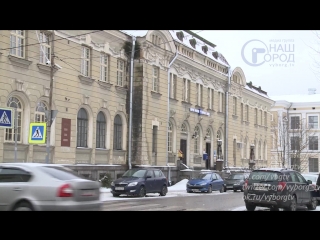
point(183, 148)
point(208, 151)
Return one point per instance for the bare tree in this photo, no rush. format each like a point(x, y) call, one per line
point(295, 142)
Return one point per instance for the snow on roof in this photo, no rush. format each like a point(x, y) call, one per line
point(187, 36)
point(256, 91)
point(299, 98)
point(135, 33)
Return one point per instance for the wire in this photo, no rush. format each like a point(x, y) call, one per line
point(51, 40)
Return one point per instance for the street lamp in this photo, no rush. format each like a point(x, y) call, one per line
point(251, 161)
point(219, 161)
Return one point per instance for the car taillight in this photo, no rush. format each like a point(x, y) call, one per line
point(281, 186)
point(65, 191)
point(245, 184)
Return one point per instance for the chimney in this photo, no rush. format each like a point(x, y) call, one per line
point(312, 91)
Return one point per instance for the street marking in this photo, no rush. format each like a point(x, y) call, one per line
point(131, 207)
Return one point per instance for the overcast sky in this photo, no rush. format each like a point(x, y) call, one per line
point(295, 78)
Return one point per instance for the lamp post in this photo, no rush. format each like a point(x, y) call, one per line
point(219, 155)
point(251, 161)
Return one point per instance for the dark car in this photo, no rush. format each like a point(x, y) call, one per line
point(206, 182)
point(235, 181)
point(139, 182)
point(278, 188)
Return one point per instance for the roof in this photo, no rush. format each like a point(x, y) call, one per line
point(256, 90)
point(298, 98)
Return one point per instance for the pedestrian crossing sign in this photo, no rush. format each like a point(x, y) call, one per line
point(6, 118)
point(37, 134)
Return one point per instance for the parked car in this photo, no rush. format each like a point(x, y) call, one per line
point(278, 188)
point(206, 182)
point(235, 181)
point(312, 177)
point(139, 182)
point(46, 187)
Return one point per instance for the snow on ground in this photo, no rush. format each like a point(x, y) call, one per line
point(243, 208)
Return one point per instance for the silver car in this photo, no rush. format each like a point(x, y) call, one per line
point(46, 187)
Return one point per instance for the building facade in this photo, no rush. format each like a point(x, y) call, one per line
point(89, 92)
point(182, 87)
point(295, 132)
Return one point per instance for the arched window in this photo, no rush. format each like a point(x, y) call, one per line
point(117, 135)
point(184, 128)
point(101, 131)
point(218, 134)
point(245, 149)
point(15, 103)
point(196, 140)
point(265, 151)
point(82, 128)
point(40, 114)
point(208, 134)
point(170, 128)
point(259, 151)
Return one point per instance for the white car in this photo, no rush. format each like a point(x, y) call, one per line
point(312, 177)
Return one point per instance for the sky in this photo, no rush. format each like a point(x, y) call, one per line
point(275, 74)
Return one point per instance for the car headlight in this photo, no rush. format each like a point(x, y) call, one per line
point(112, 183)
point(132, 184)
point(203, 184)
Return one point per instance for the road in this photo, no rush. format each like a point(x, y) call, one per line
point(178, 202)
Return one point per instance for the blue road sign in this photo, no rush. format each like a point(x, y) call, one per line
point(37, 133)
point(6, 118)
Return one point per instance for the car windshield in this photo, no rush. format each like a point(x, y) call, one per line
point(236, 176)
point(311, 178)
point(135, 173)
point(204, 176)
point(265, 176)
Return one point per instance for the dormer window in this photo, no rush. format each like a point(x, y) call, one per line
point(205, 49)
point(193, 42)
point(215, 55)
point(180, 36)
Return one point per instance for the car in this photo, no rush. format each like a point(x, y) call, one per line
point(312, 177)
point(140, 181)
point(235, 181)
point(277, 188)
point(206, 182)
point(46, 187)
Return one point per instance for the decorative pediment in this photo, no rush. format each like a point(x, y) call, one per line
point(85, 99)
point(19, 85)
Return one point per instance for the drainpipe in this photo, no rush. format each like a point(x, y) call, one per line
point(131, 87)
point(226, 117)
point(168, 111)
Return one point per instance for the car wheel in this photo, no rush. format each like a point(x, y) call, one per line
point(274, 209)
point(164, 190)
point(250, 206)
point(188, 191)
point(293, 205)
point(234, 190)
point(23, 206)
point(209, 189)
point(224, 189)
point(115, 194)
point(142, 192)
point(313, 205)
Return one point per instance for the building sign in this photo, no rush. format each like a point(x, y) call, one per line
point(199, 111)
point(65, 132)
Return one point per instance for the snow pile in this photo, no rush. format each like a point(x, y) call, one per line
point(179, 186)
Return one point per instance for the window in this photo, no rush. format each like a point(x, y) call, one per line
point(14, 102)
point(14, 175)
point(60, 173)
point(199, 94)
point(17, 43)
point(208, 134)
point(170, 129)
point(246, 113)
point(261, 118)
point(313, 122)
point(173, 85)
point(82, 128)
point(101, 131)
point(150, 174)
point(313, 142)
point(156, 40)
point(40, 114)
point(186, 90)
point(104, 66)
point(264, 153)
point(45, 48)
point(117, 136)
point(85, 61)
point(295, 122)
point(295, 143)
point(154, 139)
point(295, 163)
point(155, 79)
point(196, 140)
point(184, 128)
point(313, 165)
point(120, 67)
point(245, 154)
point(157, 173)
point(242, 116)
point(234, 106)
point(210, 98)
point(259, 151)
point(255, 116)
point(265, 118)
point(300, 178)
point(221, 102)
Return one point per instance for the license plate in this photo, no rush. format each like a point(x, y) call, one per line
point(195, 190)
point(119, 188)
point(88, 193)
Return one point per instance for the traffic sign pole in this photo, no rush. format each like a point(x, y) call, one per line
point(15, 134)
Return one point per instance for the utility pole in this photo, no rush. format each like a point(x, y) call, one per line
point(15, 133)
point(49, 121)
